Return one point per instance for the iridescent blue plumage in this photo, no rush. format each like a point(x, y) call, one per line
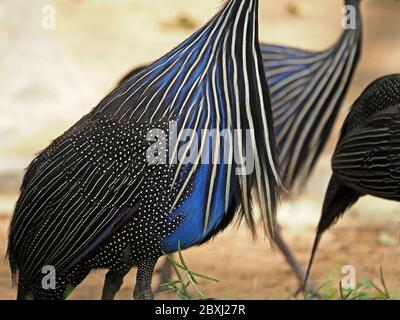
point(98, 198)
point(307, 90)
point(215, 184)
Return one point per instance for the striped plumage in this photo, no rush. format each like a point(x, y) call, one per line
point(367, 157)
point(93, 200)
point(307, 90)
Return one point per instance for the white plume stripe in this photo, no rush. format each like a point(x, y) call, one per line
point(300, 136)
point(86, 216)
point(214, 48)
point(228, 125)
point(179, 137)
point(336, 98)
point(69, 255)
point(273, 61)
point(266, 133)
point(320, 82)
point(215, 151)
point(243, 177)
point(258, 171)
point(279, 70)
point(187, 149)
point(280, 93)
point(203, 74)
point(40, 254)
point(269, 217)
point(196, 162)
point(329, 110)
point(24, 215)
point(281, 99)
point(284, 106)
point(299, 76)
point(283, 51)
point(154, 70)
point(85, 182)
point(288, 129)
point(40, 178)
point(312, 119)
point(318, 132)
point(195, 64)
point(155, 95)
point(24, 226)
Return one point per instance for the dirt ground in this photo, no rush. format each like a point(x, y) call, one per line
point(247, 269)
point(51, 78)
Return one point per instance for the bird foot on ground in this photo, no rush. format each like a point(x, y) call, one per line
point(311, 292)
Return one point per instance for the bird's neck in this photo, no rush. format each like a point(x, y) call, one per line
point(237, 5)
point(356, 5)
point(352, 3)
point(239, 18)
point(240, 1)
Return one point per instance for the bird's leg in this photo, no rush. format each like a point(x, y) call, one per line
point(143, 280)
point(113, 283)
point(292, 261)
point(165, 272)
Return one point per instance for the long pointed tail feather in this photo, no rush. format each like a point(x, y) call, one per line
point(338, 199)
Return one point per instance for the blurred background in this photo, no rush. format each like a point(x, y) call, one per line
point(50, 78)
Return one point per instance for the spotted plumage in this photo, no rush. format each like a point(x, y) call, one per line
point(307, 90)
point(101, 197)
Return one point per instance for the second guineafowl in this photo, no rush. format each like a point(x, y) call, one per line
point(367, 157)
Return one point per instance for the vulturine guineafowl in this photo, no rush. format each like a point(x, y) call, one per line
point(307, 90)
point(366, 159)
point(102, 195)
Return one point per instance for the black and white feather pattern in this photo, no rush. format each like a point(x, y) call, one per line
point(307, 91)
point(367, 157)
point(95, 178)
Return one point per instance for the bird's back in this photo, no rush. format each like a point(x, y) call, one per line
point(367, 157)
point(85, 181)
point(98, 178)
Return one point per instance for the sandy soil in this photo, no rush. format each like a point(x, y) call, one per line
point(249, 270)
